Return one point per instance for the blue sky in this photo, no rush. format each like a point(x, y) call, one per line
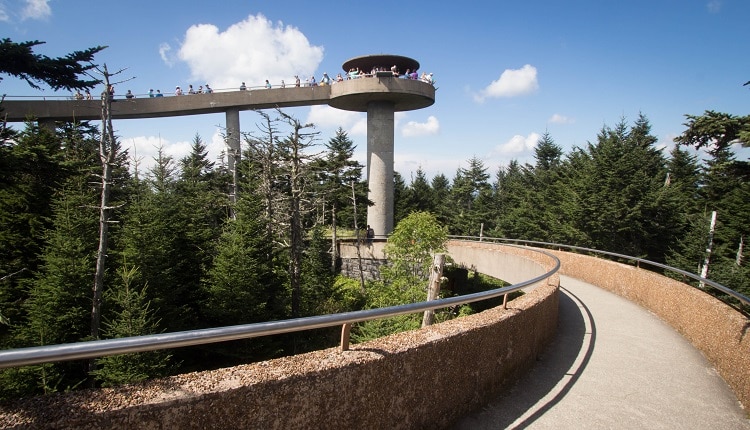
point(506, 71)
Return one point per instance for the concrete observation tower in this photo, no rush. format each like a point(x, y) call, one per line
point(381, 95)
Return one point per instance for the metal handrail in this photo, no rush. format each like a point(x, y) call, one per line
point(100, 348)
point(739, 296)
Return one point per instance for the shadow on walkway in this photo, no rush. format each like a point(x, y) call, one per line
point(561, 364)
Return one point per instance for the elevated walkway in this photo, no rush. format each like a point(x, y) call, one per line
point(613, 365)
point(353, 95)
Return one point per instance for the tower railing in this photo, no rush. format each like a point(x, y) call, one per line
point(638, 261)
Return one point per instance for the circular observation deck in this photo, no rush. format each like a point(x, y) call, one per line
point(405, 94)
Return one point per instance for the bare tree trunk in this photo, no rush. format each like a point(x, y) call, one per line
point(709, 249)
point(433, 290)
point(359, 256)
point(107, 155)
point(740, 250)
point(334, 248)
point(108, 149)
point(296, 182)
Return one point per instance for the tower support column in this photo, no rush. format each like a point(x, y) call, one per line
point(233, 137)
point(234, 149)
point(380, 129)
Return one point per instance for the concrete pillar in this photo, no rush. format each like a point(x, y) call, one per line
point(380, 128)
point(49, 124)
point(234, 149)
point(233, 137)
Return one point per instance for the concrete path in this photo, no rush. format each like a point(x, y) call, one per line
point(613, 365)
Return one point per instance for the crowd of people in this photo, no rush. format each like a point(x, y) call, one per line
point(85, 96)
point(178, 91)
point(354, 73)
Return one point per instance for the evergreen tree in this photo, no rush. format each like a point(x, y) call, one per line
point(335, 173)
point(400, 198)
point(539, 186)
point(32, 172)
point(468, 185)
point(684, 175)
point(131, 316)
point(625, 206)
point(57, 308)
point(202, 208)
point(547, 154)
point(242, 285)
point(419, 194)
point(441, 191)
point(154, 240)
point(715, 131)
point(510, 190)
point(318, 292)
point(19, 60)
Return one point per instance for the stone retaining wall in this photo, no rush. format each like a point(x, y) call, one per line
point(716, 329)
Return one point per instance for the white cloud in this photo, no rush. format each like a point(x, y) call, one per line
point(518, 144)
point(36, 9)
point(327, 117)
point(416, 129)
point(145, 149)
point(560, 119)
point(359, 128)
point(406, 164)
point(511, 83)
point(714, 6)
point(4, 17)
point(165, 52)
point(252, 51)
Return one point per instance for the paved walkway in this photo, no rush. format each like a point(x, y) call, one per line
point(613, 365)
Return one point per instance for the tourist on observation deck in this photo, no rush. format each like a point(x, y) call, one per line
point(178, 91)
point(243, 87)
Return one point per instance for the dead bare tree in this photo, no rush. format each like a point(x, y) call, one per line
point(356, 229)
point(109, 150)
point(296, 161)
point(263, 159)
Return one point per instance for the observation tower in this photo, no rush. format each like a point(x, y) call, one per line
point(381, 94)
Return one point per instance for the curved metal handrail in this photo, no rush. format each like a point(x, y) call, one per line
point(739, 296)
point(100, 348)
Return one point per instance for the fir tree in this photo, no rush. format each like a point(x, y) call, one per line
point(131, 316)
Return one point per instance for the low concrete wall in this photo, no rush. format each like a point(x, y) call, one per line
point(510, 263)
point(716, 329)
point(420, 379)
